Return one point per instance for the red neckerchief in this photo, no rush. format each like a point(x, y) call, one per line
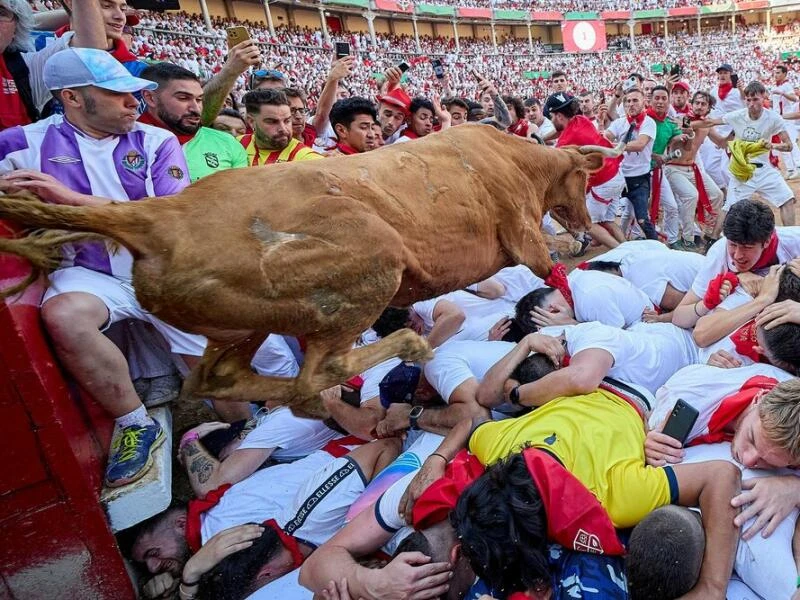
point(436, 502)
point(149, 119)
point(345, 149)
point(731, 407)
point(289, 542)
point(652, 114)
point(196, 508)
point(769, 256)
point(723, 90)
point(638, 119)
point(581, 524)
point(409, 133)
point(558, 280)
point(745, 341)
point(120, 51)
point(519, 128)
point(686, 110)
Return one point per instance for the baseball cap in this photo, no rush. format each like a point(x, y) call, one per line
point(81, 67)
point(557, 102)
point(397, 97)
point(725, 67)
point(681, 85)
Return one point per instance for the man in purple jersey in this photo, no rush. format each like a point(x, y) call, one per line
point(93, 154)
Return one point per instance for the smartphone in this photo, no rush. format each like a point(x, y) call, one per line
point(602, 97)
point(676, 69)
point(734, 79)
point(687, 122)
point(237, 35)
point(342, 49)
point(438, 69)
point(680, 421)
point(403, 66)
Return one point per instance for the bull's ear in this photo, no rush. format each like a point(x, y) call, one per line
point(591, 162)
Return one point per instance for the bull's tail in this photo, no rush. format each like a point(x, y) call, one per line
point(57, 225)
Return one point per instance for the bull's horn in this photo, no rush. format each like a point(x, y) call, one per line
point(610, 152)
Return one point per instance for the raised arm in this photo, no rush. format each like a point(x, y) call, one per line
point(240, 58)
point(87, 22)
point(340, 69)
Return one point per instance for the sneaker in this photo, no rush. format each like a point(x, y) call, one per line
point(132, 453)
point(792, 175)
point(162, 390)
point(689, 246)
point(677, 245)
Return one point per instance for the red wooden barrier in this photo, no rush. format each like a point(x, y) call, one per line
point(56, 540)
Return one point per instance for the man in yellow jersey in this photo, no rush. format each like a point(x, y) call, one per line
point(573, 471)
point(269, 115)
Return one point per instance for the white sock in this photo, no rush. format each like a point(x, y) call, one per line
point(137, 416)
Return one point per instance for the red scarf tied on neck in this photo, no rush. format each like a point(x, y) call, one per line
point(638, 119)
point(745, 341)
point(558, 280)
point(723, 90)
point(769, 256)
point(653, 115)
point(345, 149)
point(289, 542)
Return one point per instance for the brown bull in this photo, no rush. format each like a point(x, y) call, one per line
point(318, 249)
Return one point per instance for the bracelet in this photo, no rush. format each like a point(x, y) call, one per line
point(188, 438)
point(695, 308)
point(442, 456)
point(187, 584)
point(182, 591)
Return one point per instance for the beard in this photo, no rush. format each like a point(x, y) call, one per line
point(176, 123)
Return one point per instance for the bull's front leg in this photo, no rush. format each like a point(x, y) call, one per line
point(523, 241)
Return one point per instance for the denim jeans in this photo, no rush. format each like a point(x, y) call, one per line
point(639, 197)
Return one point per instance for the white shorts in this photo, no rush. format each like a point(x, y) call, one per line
point(602, 200)
point(767, 181)
point(120, 299)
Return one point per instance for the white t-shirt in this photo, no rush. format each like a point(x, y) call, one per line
point(455, 363)
point(652, 271)
point(646, 355)
point(262, 495)
point(635, 163)
point(546, 127)
point(735, 300)
point(628, 248)
point(518, 281)
point(275, 358)
point(779, 103)
point(732, 102)
point(291, 437)
point(287, 587)
point(480, 315)
point(768, 124)
point(703, 387)
point(606, 298)
point(718, 260)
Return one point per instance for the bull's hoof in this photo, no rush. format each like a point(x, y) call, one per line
point(416, 349)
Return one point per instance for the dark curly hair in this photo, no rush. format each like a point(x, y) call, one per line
point(501, 523)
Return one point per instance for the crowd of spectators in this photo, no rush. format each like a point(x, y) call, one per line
point(302, 53)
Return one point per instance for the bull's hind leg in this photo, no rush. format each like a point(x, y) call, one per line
point(224, 373)
point(322, 372)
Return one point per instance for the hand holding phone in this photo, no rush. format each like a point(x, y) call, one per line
point(680, 421)
point(403, 66)
point(236, 35)
point(438, 69)
point(342, 49)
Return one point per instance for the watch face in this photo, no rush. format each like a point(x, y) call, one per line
point(415, 412)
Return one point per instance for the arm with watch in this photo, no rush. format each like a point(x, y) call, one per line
point(462, 405)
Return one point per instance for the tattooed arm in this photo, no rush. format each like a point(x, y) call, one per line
point(206, 473)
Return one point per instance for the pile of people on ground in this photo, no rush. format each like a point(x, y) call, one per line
point(625, 430)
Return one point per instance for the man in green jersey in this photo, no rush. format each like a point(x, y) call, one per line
point(667, 131)
point(176, 105)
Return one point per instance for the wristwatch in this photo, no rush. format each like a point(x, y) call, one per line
point(513, 396)
point(414, 416)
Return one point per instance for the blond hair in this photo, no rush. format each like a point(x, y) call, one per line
point(779, 411)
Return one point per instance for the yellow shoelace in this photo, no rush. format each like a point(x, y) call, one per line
point(129, 442)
